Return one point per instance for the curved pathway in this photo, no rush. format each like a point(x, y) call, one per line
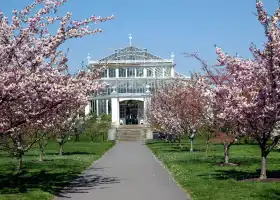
point(129, 171)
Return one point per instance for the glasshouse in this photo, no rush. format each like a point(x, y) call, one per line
point(132, 75)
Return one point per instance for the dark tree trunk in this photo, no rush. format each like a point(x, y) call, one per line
point(19, 158)
point(207, 145)
point(77, 139)
point(170, 136)
point(61, 149)
point(178, 138)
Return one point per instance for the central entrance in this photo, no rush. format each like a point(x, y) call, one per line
point(131, 112)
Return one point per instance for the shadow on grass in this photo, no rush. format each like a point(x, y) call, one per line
point(171, 147)
point(72, 153)
point(249, 144)
point(53, 183)
point(197, 159)
point(239, 175)
point(180, 149)
point(269, 194)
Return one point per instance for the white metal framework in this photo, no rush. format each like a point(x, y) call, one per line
point(131, 73)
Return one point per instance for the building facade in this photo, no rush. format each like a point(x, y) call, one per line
point(132, 75)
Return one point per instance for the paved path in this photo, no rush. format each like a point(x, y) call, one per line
point(128, 171)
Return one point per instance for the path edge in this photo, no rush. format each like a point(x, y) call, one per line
point(94, 162)
point(103, 155)
point(170, 174)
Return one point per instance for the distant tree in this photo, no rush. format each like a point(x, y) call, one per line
point(78, 128)
point(20, 142)
point(95, 127)
point(64, 131)
point(226, 137)
point(180, 107)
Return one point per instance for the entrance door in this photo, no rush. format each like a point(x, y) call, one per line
point(130, 111)
point(131, 114)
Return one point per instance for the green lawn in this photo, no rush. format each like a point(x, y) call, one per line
point(42, 180)
point(204, 180)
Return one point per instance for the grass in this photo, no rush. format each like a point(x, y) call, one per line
point(43, 180)
point(204, 180)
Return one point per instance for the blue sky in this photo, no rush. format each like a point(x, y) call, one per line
point(164, 26)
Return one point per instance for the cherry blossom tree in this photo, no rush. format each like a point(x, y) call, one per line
point(179, 107)
point(64, 131)
point(20, 142)
point(35, 86)
point(161, 111)
point(251, 95)
point(227, 137)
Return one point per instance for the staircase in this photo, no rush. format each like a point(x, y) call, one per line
point(131, 132)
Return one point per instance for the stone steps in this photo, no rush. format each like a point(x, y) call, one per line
point(129, 138)
point(130, 133)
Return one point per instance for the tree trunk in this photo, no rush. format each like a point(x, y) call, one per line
point(226, 153)
point(19, 158)
point(207, 145)
point(179, 140)
point(191, 149)
point(170, 136)
point(263, 164)
point(77, 139)
point(61, 149)
point(41, 155)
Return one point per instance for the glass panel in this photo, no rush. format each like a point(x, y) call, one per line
point(140, 86)
point(122, 86)
point(102, 106)
point(112, 73)
point(149, 72)
point(122, 111)
point(93, 106)
point(104, 74)
point(122, 72)
point(130, 72)
point(129, 86)
point(131, 53)
point(139, 72)
point(159, 71)
point(167, 71)
point(140, 110)
point(109, 107)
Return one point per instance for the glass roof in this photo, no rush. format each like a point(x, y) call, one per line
point(131, 53)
